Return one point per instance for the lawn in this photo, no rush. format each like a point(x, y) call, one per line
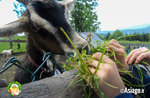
point(6, 45)
point(134, 42)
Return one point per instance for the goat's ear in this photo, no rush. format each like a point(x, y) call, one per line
point(18, 26)
point(69, 4)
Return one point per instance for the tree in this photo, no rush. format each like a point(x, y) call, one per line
point(116, 34)
point(108, 35)
point(83, 17)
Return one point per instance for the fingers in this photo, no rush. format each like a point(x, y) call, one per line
point(105, 61)
point(98, 55)
point(137, 55)
point(134, 56)
point(115, 43)
point(116, 47)
point(113, 40)
point(94, 63)
point(92, 70)
point(130, 55)
point(143, 56)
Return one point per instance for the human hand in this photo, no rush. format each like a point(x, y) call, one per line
point(138, 55)
point(107, 72)
point(120, 51)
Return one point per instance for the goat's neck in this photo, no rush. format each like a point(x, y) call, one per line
point(33, 51)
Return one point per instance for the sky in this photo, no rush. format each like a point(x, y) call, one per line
point(118, 14)
point(113, 14)
point(7, 14)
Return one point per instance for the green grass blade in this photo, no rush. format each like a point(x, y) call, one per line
point(99, 91)
point(124, 36)
point(108, 84)
point(84, 64)
point(100, 60)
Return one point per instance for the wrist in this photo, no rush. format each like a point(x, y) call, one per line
point(114, 91)
point(118, 91)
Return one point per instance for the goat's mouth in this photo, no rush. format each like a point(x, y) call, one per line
point(85, 47)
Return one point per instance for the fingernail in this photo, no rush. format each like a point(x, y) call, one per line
point(129, 62)
point(127, 56)
point(136, 61)
point(126, 60)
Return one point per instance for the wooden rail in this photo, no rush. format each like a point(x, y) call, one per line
point(11, 42)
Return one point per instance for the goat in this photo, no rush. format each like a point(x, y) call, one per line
point(7, 53)
point(42, 27)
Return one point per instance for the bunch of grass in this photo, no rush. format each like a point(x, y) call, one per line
point(81, 63)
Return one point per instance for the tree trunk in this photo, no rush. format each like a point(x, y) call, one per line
point(53, 87)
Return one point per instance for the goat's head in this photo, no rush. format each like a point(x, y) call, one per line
point(43, 22)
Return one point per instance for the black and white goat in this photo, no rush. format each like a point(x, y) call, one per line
point(42, 26)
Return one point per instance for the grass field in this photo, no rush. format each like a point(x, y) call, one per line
point(134, 42)
point(6, 45)
point(14, 38)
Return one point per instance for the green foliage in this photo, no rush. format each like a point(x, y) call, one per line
point(83, 17)
point(144, 37)
point(116, 34)
point(14, 38)
point(139, 37)
point(19, 37)
point(108, 35)
point(6, 46)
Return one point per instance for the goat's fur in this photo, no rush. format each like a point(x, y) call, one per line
point(7, 53)
point(42, 26)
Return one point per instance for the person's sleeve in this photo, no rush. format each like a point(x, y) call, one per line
point(124, 95)
point(138, 79)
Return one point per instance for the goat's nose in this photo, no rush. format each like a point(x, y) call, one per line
point(86, 47)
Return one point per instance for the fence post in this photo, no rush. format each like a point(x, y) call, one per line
point(11, 45)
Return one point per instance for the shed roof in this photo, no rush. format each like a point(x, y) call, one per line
point(94, 38)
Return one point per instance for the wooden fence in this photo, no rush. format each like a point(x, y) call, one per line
point(11, 42)
point(23, 41)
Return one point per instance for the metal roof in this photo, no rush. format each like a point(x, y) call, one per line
point(94, 38)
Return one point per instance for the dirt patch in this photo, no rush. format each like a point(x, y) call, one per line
point(9, 73)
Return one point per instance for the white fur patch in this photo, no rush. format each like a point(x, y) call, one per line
point(49, 64)
point(56, 57)
point(7, 52)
